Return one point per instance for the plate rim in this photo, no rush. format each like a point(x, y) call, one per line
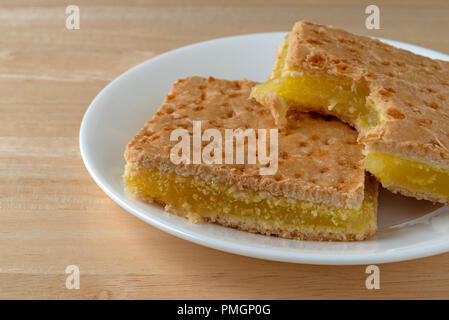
point(245, 250)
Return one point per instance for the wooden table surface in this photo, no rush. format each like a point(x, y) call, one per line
point(53, 215)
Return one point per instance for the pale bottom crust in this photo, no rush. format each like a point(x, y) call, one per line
point(255, 227)
point(420, 195)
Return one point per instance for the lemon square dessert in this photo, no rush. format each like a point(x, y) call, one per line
point(317, 192)
point(398, 101)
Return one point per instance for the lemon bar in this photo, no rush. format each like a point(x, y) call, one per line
point(317, 192)
point(398, 102)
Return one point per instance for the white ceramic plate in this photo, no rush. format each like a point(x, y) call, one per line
point(408, 228)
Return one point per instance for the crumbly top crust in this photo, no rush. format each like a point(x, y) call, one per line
point(411, 91)
point(319, 158)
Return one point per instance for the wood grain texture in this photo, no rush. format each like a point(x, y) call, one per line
point(52, 214)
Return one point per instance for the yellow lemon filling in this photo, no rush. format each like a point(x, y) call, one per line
point(350, 102)
point(340, 97)
point(412, 175)
point(192, 194)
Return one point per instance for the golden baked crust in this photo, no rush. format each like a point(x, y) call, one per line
point(410, 91)
point(319, 158)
